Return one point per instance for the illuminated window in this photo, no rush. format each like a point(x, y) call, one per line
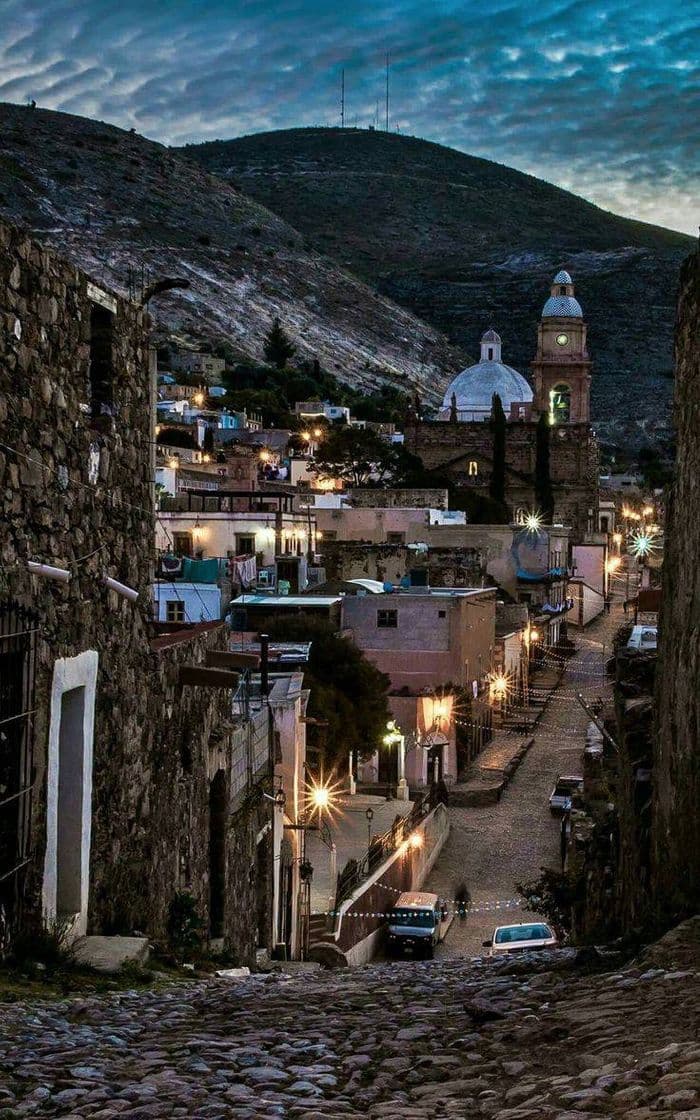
point(473, 468)
point(560, 404)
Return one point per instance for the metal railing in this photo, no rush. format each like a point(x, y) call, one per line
point(356, 872)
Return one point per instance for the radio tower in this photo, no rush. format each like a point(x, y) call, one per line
point(387, 91)
point(342, 98)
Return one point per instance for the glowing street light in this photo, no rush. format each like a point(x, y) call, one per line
point(416, 841)
point(318, 432)
point(499, 685)
point(198, 399)
point(642, 544)
point(265, 455)
point(613, 564)
point(533, 522)
point(306, 436)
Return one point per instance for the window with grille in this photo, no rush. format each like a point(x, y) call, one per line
point(174, 610)
point(18, 631)
point(182, 544)
point(101, 361)
point(387, 620)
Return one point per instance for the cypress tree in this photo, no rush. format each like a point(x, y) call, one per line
point(278, 347)
point(453, 409)
point(544, 495)
point(497, 486)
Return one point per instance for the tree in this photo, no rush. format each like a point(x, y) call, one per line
point(544, 495)
point(346, 690)
point(278, 347)
point(497, 486)
point(359, 457)
point(453, 409)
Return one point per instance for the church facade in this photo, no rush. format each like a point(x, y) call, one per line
point(459, 444)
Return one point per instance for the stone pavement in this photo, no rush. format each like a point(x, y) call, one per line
point(532, 1038)
point(349, 831)
point(493, 847)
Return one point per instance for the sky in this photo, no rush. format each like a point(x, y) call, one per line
point(601, 97)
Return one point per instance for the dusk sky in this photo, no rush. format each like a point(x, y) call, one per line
point(600, 97)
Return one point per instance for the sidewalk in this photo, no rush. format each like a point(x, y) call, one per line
point(349, 832)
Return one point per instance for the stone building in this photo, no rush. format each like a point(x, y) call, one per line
point(676, 820)
point(117, 744)
point(460, 443)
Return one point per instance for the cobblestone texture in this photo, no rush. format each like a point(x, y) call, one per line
point(523, 1039)
point(494, 847)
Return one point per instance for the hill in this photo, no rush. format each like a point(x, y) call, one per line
point(467, 243)
point(129, 211)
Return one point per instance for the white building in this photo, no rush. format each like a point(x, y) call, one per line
point(186, 602)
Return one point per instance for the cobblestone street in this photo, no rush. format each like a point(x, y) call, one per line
point(496, 846)
point(538, 1038)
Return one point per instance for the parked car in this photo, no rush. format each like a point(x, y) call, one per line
point(642, 638)
point(526, 937)
point(415, 924)
point(565, 787)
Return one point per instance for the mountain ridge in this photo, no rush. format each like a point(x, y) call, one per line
point(467, 243)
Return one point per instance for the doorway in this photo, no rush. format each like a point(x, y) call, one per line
point(217, 854)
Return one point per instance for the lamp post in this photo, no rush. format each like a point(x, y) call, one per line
point(395, 736)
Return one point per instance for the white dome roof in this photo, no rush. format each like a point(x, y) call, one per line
point(562, 278)
point(562, 307)
point(475, 386)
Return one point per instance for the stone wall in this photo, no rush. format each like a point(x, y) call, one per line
point(450, 448)
point(400, 498)
point(76, 492)
point(676, 839)
point(439, 567)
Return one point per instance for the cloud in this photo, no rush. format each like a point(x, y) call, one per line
point(603, 98)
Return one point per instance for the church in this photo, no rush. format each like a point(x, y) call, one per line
point(459, 443)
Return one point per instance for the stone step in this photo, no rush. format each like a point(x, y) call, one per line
point(109, 954)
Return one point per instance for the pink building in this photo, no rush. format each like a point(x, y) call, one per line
point(437, 646)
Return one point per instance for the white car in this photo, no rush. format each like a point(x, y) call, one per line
point(526, 937)
point(643, 637)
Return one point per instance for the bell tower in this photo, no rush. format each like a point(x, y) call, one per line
point(561, 369)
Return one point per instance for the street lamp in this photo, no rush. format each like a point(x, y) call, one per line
point(395, 736)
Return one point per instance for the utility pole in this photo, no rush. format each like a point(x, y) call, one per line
point(342, 98)
point(387, 91)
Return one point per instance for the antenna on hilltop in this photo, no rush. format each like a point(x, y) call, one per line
point(342, 98)
point(387, 91)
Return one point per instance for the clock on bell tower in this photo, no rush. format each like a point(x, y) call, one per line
point(561, 368)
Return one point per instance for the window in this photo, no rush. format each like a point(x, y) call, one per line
point(101, 361)
point(490, 353)
point(473, 468)
point(174, 610)
point(442, 614)
point(560, 404)
point(387, 620)
point(396, 538)
point(245, 544)
point(562, 289)
point(182, 544)
point(330, 535)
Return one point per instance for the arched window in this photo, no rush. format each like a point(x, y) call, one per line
point(473, 468)
point(562, 290)
point(490, 353)
point(560, 404)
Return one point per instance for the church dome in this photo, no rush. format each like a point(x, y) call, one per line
point(562, 304)
point(562, 307)
point(474, 387)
